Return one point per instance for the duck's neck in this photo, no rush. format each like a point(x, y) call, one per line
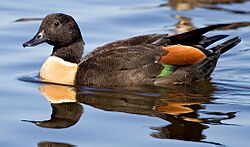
point(71, 53)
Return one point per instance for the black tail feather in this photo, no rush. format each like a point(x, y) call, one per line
point(194, 36)
point(227, 45)
point(210, 40)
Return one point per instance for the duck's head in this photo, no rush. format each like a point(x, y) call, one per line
point(62, 32)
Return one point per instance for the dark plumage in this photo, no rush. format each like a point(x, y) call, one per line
point(133, 61)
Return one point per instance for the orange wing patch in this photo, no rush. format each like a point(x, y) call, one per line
point(182, 55)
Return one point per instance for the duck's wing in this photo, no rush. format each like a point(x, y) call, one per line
point(120, 66)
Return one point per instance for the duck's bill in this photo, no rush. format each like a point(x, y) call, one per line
point(36, 40)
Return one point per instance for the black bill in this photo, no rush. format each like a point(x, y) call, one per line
point(37, 39)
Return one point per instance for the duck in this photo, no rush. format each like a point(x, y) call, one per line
point(145, 60)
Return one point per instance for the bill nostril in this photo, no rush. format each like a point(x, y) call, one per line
point(39, 36)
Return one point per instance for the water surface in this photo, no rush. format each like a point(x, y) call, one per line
point(208, 114)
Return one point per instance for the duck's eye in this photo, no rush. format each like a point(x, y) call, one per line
point(56, 24)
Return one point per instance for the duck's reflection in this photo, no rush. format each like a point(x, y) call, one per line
point(179, 106)
point(63, 115)
point(181, 130)
point(185, 24)
point(66, 111)
point(182, 5)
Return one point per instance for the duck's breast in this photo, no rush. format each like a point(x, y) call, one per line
point(56, 70)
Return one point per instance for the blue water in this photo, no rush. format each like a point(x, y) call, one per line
point(211, 114)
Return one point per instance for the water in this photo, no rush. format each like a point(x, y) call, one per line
point(208, 114)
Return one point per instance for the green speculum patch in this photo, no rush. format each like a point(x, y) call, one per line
point(166, 71)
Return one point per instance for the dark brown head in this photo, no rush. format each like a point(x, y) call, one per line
point(62, 32)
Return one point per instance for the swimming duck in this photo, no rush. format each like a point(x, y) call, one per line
point(154, 59)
